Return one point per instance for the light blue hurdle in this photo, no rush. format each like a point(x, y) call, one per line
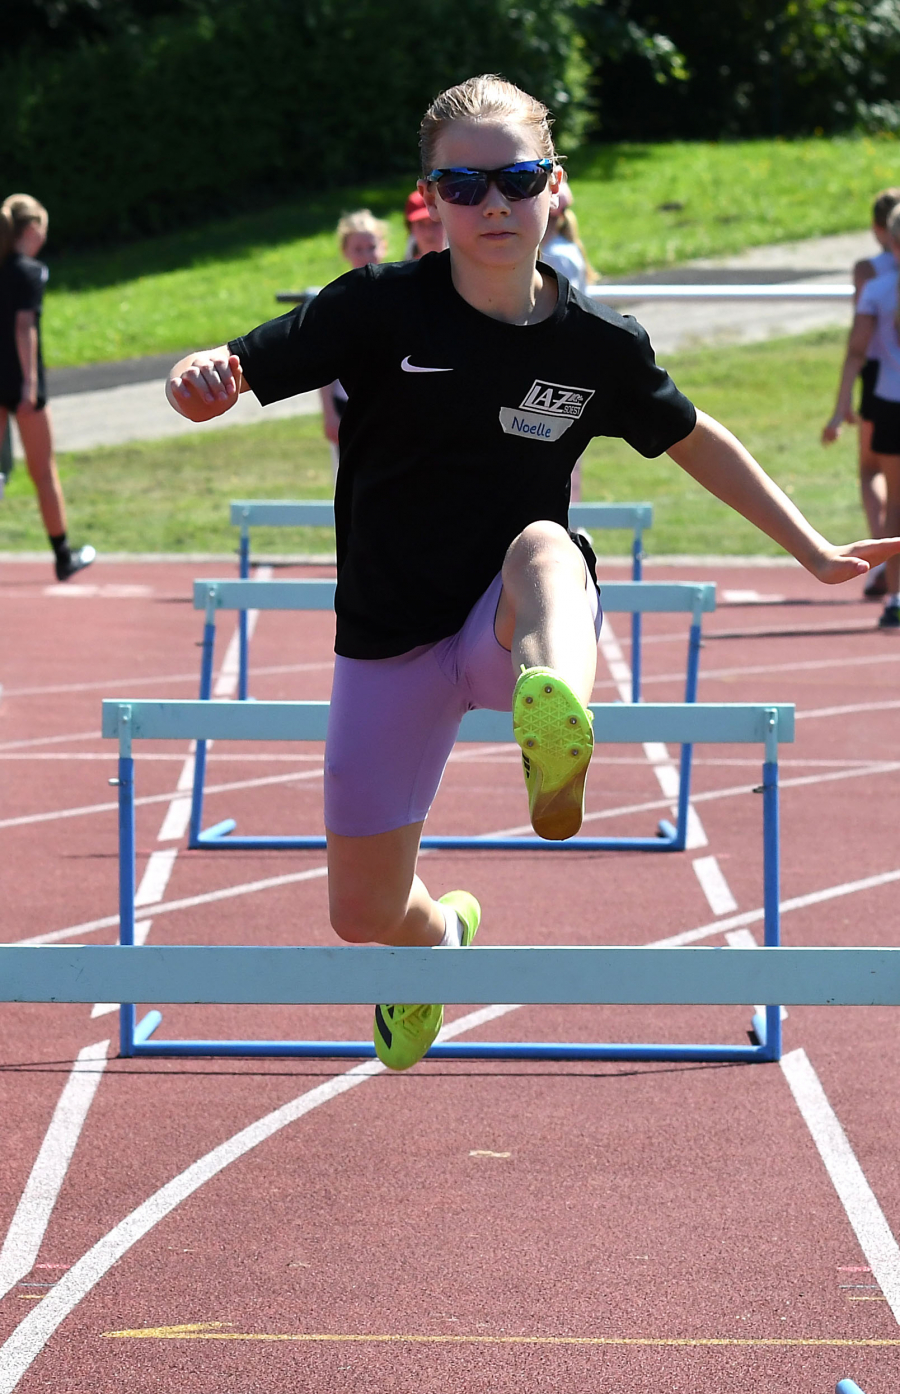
point(319, 513)
point(554, 975)
point(629, 597)
point(846, 1386)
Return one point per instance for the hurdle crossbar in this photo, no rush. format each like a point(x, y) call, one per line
point(693, 598)
point(573, 975)
point(128, 721)
point(319, 513)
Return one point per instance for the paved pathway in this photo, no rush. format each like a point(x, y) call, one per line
point(110, 403)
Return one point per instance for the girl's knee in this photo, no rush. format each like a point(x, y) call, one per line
point(540, 544)
point(359, 921)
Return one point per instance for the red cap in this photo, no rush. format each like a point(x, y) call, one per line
point(415, 211)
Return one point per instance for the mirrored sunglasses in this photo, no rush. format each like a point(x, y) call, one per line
point(467, 187)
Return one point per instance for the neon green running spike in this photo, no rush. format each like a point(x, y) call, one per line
point(554, 731)
point(403, 1033)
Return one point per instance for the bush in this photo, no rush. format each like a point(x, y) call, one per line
point(175, 118)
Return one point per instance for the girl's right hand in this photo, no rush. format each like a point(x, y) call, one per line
point(833, 428)
point(205, 385)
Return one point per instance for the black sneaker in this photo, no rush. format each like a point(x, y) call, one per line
point(877, 583)
point(75, 561)
point(890, 617)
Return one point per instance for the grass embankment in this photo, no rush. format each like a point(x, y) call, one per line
point(640, 206)
point(173, 495)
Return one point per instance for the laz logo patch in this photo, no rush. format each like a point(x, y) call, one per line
point(556, 400)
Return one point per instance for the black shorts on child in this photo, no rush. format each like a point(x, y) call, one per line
point(885, 426)
point(868, 378)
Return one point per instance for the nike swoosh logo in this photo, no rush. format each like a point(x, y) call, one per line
point(411, 368)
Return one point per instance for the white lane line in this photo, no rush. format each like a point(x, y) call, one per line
point(657, 753)
point(156, 877)
point(31, 1335)
point(810, 665)
point(813, 712)
point(29, 1223)
point(50, 740)
point(141, 930)
point(158, 798)
point(798, 902)
point(175, 823)
point(744, 939)
point(854, 1192)
point(714, 886)
point(57, 936)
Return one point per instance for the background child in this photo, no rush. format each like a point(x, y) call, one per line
point(23, 394)
point(363, 241)
point(423, 235)
point(875, 323)
point(562, 248)
point(871, 480)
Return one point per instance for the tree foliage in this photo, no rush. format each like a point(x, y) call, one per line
point(140, 114)
point(745, 67)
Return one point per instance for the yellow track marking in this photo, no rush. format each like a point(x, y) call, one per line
point(213, 1331)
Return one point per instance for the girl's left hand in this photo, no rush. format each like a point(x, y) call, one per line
point(844, 563)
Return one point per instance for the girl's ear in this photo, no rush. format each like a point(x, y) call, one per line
point(554, 185)
point(429, 196)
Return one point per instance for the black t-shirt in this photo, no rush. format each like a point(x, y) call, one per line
point(22, 281)
point(459, 431)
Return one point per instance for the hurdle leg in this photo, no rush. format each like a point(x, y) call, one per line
point(677, 836)
point(768, 1029)
point(206, 666)
point(637, 574)
point(242, 617)
point(126, 889)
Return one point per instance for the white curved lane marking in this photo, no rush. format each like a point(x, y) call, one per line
point(31, 1335)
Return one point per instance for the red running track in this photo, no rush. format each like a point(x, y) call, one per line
point(469, 1227)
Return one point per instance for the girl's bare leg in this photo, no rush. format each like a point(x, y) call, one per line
point(374, 893)
point(872, 485)
point(37, 442)
point(544, 616)
point(889, 466)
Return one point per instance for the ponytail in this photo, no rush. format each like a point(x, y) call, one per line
point(16, 212)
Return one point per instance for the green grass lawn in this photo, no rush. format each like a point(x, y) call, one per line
point(207, 284)
point(173, 495)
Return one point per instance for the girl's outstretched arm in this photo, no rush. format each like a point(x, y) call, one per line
point(861, 332)
point(718, 461)
point(206, 384)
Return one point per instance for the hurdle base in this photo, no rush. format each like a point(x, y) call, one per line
point(146, 1026)
point(219, 837)
point(846, 1386)
point(452, 1050)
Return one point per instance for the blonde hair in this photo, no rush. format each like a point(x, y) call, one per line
point(484, 98)
point(884, 203)
point(567, 227)
point(361, 221)
point(16, 212)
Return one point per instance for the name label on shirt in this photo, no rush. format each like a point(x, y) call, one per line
point(517, 422)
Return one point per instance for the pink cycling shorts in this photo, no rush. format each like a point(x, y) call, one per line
point(394, 721)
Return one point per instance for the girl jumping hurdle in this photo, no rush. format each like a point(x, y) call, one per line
point(475, 378)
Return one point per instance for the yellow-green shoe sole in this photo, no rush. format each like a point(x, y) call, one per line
point(553, 730)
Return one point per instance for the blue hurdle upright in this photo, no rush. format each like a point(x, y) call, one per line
point(319, 513)
point(682, 723)
point(693, 598)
